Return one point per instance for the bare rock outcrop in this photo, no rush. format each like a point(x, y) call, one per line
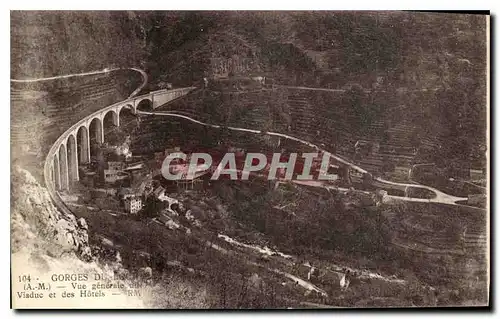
point(36, 223)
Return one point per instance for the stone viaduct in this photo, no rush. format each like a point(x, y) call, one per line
point(73, 146)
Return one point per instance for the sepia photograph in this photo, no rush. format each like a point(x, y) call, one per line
point(249, 159)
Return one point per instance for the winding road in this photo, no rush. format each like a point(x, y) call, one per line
point(440, 197)
point(103, 71)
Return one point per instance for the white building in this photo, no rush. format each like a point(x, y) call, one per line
point(133, 204)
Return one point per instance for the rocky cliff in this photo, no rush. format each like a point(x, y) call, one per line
point(45, 242)
point(36, 224)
